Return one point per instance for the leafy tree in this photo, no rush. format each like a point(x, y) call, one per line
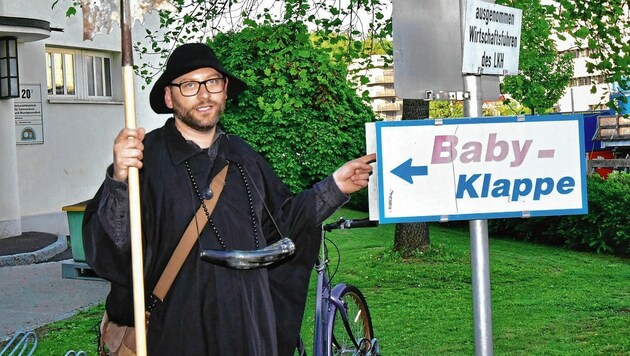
point(382, 47)
point(355, 25)
point(354, 28)
point(446, 108)
point(544, 75)
point(602, 26)
point(299, 110)
point(507, 108)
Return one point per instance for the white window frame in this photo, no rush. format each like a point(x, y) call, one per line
point(86, 87)
point(94, 89)
point(51, 73)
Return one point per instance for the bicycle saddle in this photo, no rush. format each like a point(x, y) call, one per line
point(250, 259)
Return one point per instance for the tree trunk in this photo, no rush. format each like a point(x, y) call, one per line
point(411, 237)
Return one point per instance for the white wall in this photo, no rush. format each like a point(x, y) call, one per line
point(9, 197)
point(70, 165)
point(581, 99)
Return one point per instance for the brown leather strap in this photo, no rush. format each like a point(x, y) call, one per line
point(189, 238)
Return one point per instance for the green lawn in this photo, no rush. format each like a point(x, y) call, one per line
point(545, 301)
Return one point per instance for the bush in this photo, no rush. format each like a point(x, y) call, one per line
point(359, 201)
point(299, 111)
point(606, 228)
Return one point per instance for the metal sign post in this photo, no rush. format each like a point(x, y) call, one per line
point(472, 46)
point(479, 247)
point(430, 65)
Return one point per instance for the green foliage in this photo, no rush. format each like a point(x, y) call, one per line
point(606, 228)
point(359, 201)
point(446, 108)
point(602, 26)
point(356, 29)
point(543, 75)
point(378, 46)
point(508, 108)
point(299, 111)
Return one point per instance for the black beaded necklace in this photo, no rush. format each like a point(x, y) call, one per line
point(208, 195)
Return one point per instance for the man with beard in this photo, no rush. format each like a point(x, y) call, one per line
point(209, 310)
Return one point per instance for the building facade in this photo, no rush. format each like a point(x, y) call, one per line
point(57, 130)
point(578, 95)
point(380, 88)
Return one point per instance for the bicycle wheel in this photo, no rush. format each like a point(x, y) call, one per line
point(355, 333)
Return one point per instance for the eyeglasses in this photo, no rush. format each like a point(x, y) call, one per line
point(191, 87)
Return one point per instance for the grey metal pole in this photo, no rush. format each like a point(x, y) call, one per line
point(482, 308)
point(479, 247)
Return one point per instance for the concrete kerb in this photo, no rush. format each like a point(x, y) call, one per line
point(40, 255)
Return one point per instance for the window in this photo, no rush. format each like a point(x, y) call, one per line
point(78, 74)
point(60, 73)
point(590, 80)
point(99, 79)
point(581, 52)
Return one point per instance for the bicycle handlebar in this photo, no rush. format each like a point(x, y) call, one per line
point(344, 223)
point(250, 259)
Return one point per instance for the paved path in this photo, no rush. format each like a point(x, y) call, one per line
point(36, 294)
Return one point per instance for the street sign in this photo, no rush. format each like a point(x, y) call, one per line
point(427, 36)
point(480, 168)
point(492, 38)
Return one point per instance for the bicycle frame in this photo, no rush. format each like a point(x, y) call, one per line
point(326, 302)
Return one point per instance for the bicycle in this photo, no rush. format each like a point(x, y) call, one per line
point(343, 325)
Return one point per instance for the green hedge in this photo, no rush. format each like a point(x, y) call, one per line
point(299, 111)
point(606, 228)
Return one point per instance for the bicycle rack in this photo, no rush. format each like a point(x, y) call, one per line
point(26, 339)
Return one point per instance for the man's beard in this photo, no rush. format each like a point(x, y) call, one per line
point(187, 117)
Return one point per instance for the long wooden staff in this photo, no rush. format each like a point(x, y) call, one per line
point(133, 182)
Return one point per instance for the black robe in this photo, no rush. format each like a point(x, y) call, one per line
point(209, 310)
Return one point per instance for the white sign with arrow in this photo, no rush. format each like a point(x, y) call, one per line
point(479, 168)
